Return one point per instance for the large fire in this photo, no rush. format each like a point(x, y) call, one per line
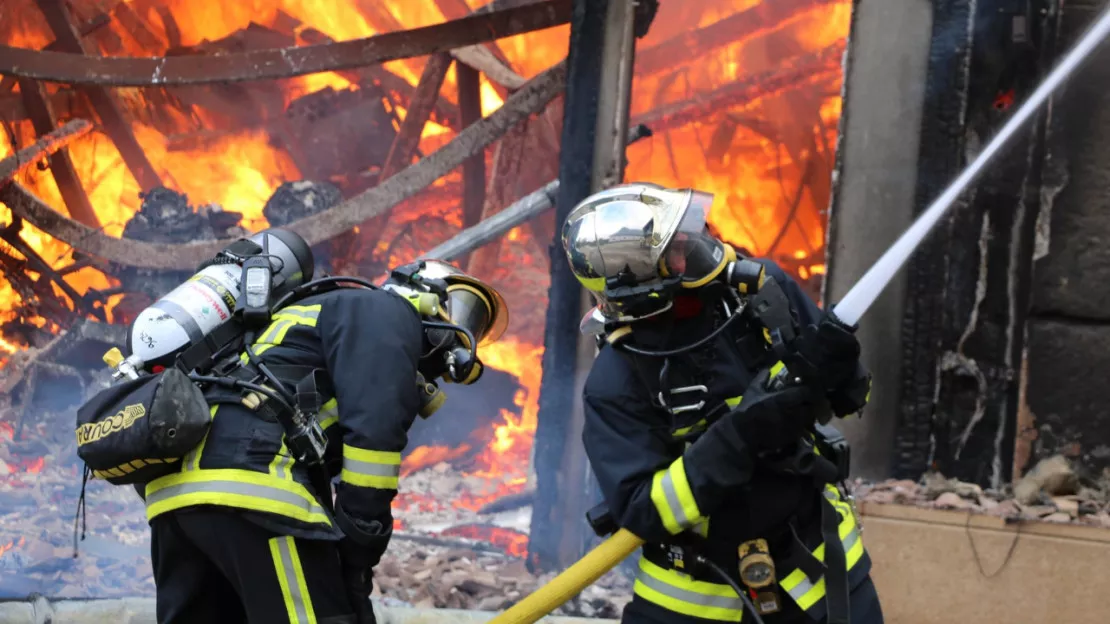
point(768, 158)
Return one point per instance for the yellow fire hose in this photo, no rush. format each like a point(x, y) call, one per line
point(573, 580)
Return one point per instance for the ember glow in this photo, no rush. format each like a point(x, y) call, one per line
point(767, 156)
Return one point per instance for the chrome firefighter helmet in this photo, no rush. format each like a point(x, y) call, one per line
point(633, 246)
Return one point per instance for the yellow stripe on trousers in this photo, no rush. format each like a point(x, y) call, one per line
point(287, 563)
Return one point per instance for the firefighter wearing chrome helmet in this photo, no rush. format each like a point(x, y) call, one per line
point(244, 531)
point(698, 448)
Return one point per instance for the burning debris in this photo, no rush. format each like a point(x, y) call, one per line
point(194, 156)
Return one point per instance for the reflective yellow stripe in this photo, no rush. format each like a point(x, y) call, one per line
point(282, 465)
point(670, 491)
point(192, 458)
point(680, 593)
point(290, 574)
point(329, 414)
point(244, 489)
point(685, 430)
point(280, 325)
point(778, 366)
point(798, 585)
point(366, 468)
point(130, 467)
point(732, 402)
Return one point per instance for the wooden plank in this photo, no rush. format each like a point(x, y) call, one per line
point(1024, 573)
point(474, 169)
point(507, 158)
point(111, 117)
point(284, 62)
point(317, 228)
point(41, 111)
point(47, 144)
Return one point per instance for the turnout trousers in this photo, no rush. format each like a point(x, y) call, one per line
point(864, 605)
point(213, 566)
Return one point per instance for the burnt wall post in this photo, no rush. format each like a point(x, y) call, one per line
point(558, 388)
point(1067, 393)
point(872, 201)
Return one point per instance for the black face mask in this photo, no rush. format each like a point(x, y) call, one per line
point(696, 258)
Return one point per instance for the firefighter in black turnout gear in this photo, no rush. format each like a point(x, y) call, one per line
point(702, 444)
point(245, 532)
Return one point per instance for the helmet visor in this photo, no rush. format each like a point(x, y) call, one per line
point(693, 254)
point(467, 307)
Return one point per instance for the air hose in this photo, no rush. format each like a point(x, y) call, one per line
point(572, 581)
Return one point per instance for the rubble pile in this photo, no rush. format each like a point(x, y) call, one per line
point(1052, 492)
point(460, 578)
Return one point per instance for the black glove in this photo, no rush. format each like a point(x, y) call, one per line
point(358, 581)
point(826, 354)
point(852, 396)
point(771, 419)
point(359, 552)
point(724, 457)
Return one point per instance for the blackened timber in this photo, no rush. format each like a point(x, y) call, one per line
point(444, 113)
point(799, 72)
point(46, 145)
point(104, 102)
point(507, 159)
point(530, 99)
point(41, 111)
point(760, 19)
point(474, 169)
point(522, 211)
point(284, 62)
point(560, 357)
point(421, 104)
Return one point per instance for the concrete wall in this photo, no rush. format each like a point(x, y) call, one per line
point(1069, 327)
point(874, 196)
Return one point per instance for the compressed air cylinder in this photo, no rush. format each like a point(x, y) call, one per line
point(185, 315)
point(205, 301)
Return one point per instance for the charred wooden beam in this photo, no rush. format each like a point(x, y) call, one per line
point(104, 102)
point(47, 144)
point(7, 83)
point(546, 544)
point(474, 169)
point(458, 9)
point(799, 72)
point(760, 19)
point(499, 192)
point(317, 228)
point(41, 111)
point(520, 212)
point(421, 105)
point(83, 304)
point(282, 63)
point(444, 113)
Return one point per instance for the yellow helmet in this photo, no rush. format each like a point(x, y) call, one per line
point(471, 303)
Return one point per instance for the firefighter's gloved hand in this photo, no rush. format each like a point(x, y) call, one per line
point(771, 419)
point(826, 354)
point(359, 552)
point(852, 396)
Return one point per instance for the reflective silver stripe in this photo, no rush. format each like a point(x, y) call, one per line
point(233, 487)
point(685, 595)
point(803, 588)
point(281, 467)
point(308, 314)
point(371, 468)
point(296, 594)
point(672, 501)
